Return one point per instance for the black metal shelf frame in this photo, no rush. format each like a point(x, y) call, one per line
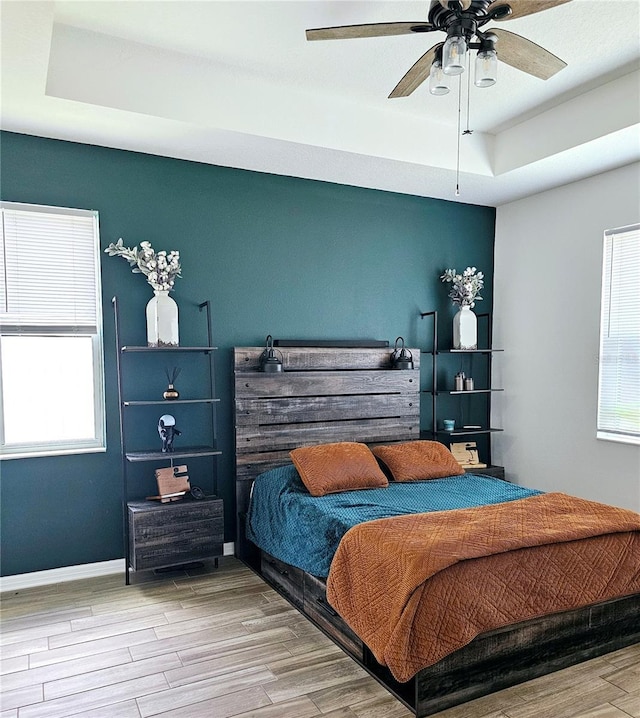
point(124, 404)
point(488, 353)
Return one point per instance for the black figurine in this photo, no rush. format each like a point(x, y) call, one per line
point(167, 430)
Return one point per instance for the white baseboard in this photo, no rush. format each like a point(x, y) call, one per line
point(72, 573)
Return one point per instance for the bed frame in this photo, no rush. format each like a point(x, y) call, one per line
point(327, 395)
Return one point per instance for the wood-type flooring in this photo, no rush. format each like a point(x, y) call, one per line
point(221, 644)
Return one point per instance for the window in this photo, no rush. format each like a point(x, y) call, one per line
point(619, 385)
point(52, 377)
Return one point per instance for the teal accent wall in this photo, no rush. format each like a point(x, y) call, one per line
point(275, 255)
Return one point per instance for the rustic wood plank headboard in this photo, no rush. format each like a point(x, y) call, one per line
point(323, 395)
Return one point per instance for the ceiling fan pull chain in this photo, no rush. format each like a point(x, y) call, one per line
point(468, 131)
point(459, 134)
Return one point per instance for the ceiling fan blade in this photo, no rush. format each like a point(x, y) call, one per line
point(520, 8)
point(525, 55)
point(376, 29)
point(416, 75)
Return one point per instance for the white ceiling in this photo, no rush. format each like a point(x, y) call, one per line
point(236, 83)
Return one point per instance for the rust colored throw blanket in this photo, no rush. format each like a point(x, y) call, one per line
point(416, 588)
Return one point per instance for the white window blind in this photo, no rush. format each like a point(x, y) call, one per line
point(619, 381)
point(52, 377)
point(48, 269)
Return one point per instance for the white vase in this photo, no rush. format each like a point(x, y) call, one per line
point(162, 320)
point(465, 329)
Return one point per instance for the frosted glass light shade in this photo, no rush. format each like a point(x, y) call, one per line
point(453, 55)
point(486, 68)
point(438, 81)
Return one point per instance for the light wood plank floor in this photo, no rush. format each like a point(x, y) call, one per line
point(221, 644)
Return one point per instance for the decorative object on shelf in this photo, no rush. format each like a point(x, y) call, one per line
point(173, 483)
point(161, 270)
point(466, 454)
point(468, 384)
point(465, 292)
point(271, 359)
point(401, 358)
point(459, 381)
point(448, 424)
point(171, 393)
point(197, 493)
point(168, 431)
point(465, 329)
point(162, 320)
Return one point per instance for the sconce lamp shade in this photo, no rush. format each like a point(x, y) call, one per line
point(401, 358)
point(270, 359)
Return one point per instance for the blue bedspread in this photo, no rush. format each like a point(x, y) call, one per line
point(287, 522)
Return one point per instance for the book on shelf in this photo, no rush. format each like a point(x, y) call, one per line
point(466, 454)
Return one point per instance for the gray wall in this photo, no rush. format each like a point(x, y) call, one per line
point(547, 317)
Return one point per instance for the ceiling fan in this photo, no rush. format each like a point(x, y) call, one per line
point(462, 21)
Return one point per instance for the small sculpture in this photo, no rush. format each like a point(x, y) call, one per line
point(168, 431)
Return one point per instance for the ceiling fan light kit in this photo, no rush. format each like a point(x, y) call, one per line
point(438, 81)
point(454, 55)
point(486, 68)
point(462, 21)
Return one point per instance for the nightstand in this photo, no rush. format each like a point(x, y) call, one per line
point(179, 532)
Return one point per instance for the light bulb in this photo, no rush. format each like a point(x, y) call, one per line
point(486, 68)
point(438, 81)
point(453, 55)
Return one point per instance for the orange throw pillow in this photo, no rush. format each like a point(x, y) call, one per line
point(416, 460)
point(344, 466)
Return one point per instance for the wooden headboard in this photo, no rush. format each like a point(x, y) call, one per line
point(323, 395)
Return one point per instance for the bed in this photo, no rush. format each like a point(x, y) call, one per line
point(352, 395)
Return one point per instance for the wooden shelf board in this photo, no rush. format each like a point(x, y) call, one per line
point(466, 432)
point(176, 350)
point(186, 453)
point(156, 402)
point(466, 391)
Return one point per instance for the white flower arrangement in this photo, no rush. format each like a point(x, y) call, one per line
point(160, 269)
point(466, 286)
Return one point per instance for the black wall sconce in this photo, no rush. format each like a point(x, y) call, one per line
point(270, 362)
point(401, 358)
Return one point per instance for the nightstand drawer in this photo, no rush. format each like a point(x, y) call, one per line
point(163, 535)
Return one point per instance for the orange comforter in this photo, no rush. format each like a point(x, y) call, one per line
point(416, 588)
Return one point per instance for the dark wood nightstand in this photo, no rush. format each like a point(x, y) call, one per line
point(162, 535)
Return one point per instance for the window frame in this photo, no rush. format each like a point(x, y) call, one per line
point(97, 443)
point(604, 432)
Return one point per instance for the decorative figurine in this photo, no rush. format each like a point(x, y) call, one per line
point(167, 430)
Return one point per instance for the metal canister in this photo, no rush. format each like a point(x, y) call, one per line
point(459, 381)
